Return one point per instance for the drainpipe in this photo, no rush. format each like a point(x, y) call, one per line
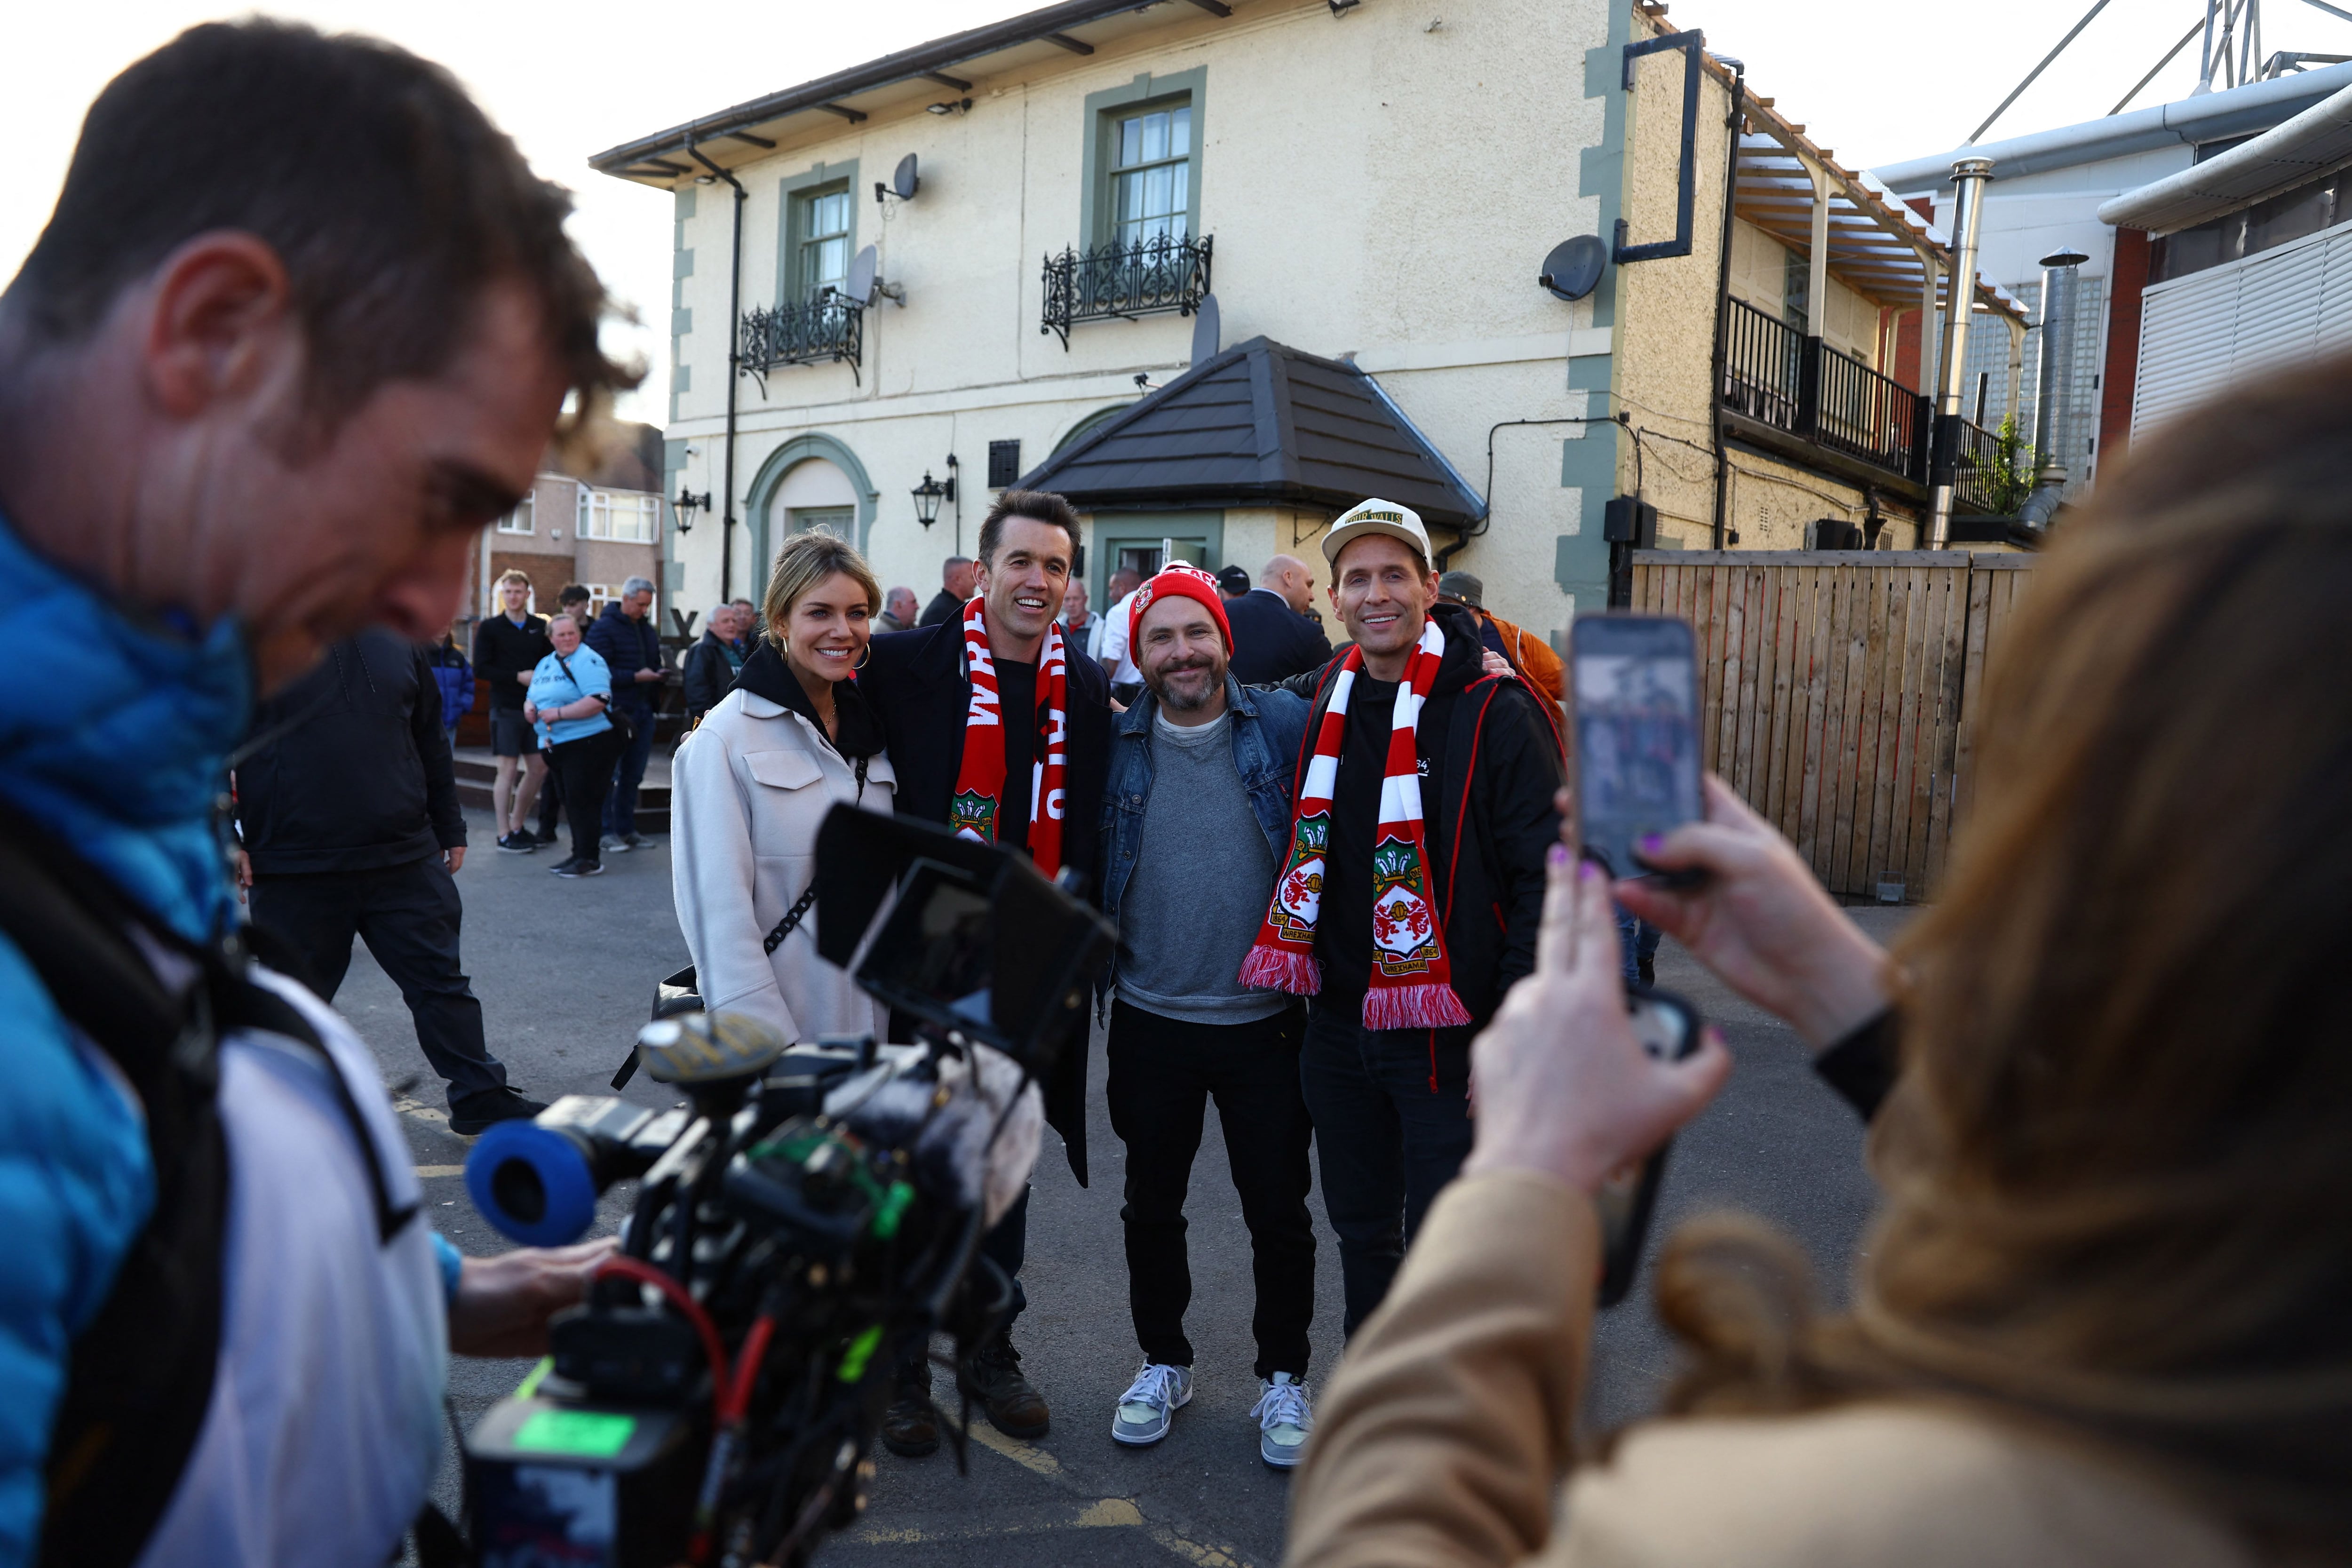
point(734, 371)
point(2060, 286)
point(1722, 290)
point(1969, 177)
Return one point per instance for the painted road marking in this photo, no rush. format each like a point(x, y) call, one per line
point(1109, 1513)
point(426, 1172)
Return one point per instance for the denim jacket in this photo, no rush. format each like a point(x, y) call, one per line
point(1268, 724)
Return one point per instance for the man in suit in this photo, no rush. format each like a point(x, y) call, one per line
point(1033, 782)
point(1273, 637)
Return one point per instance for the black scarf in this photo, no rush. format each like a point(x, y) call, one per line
point(765, 674)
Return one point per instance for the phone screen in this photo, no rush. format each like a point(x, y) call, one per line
point(1637, 754)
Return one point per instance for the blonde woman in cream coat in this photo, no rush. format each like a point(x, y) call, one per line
point(751, 783)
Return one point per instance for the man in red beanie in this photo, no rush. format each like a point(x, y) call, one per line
point(1199, 809)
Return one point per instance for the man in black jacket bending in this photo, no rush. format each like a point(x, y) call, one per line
point(920, 683)
point(1391, 1105)
point(350, 823)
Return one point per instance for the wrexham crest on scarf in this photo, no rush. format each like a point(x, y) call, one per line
point(1299, 895)
point(1404, 928)
point(974, 815)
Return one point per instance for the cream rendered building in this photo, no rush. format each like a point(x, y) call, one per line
point(1375, 187)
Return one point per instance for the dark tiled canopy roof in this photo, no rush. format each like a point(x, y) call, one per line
point(1260, 425)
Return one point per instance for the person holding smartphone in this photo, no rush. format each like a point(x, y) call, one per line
point(2101, 1316)
point(571, 691)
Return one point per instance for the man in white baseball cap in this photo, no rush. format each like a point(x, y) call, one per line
point(1409, 900)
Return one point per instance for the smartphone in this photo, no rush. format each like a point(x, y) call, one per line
point(1637, 753)
point(1668, 1028)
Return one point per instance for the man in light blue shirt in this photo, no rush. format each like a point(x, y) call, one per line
point(570, 702)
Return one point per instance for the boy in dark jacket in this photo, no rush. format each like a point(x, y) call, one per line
point(351, 827)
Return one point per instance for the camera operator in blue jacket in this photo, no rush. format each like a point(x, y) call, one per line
point(301, 327)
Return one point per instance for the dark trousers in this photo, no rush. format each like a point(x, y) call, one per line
point(1162, 1073)
point(408, 915)
point(550, 801)
point(1392, 1126)
point(585, 768)
point(629, 770)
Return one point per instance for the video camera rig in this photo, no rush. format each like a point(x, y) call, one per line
point(808, 1215)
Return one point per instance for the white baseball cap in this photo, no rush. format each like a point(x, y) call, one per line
point(1377, 516)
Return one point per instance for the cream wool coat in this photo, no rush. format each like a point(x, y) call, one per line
point(748, 789)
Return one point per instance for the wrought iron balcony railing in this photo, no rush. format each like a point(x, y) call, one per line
point(831, 327)
point(1775, 375)
point(1125, 279)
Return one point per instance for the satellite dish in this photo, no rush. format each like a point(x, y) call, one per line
point(1572, 270)
point(860, 286)
point(905, 181)
point(1206, 329)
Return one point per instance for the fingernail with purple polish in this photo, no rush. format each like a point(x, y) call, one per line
point(1559, 854)
point(1587, 870)
point(1652, 841)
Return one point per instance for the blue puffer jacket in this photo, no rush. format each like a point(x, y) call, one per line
point(455, 675)
point(112, 736)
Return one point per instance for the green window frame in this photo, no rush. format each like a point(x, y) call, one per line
point(818, 235)
point(1204, 531)
point(1143, 155)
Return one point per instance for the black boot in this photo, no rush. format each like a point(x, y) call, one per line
point(1013, 1405)
point(911, 1428)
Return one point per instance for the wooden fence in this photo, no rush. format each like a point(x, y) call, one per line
point(1839, 691)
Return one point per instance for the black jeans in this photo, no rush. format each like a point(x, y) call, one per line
point(585, 768)
point(1391, 1114)
point(408, 915)
point(1163, 1072)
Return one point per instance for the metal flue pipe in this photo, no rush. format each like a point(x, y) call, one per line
point(1969, 177)
point(2054, 393)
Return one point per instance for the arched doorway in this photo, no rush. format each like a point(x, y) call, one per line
point(811, 481)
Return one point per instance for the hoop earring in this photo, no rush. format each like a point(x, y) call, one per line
point(862, 663)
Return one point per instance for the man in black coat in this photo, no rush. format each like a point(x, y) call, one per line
point(919, 684)
point(1273, 638)
point(956, 576)
point(351, 827)
point(1392, 1106)
point(712, 663)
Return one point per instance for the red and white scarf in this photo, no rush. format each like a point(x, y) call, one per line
point(1412, 984)
point(979, 777)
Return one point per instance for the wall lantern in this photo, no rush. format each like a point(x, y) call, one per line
point(929, 493)
point(685, 506)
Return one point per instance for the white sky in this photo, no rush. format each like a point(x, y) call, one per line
point(1873, 79)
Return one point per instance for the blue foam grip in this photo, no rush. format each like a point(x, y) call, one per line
point(563, 1176)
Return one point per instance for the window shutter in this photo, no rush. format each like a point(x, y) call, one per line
point(1004, 463)
point(2274, 310)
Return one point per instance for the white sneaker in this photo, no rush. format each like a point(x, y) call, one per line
point(1283, 1420)
point(1149, 1406)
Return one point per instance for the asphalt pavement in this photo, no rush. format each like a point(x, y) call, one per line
point(565, 971)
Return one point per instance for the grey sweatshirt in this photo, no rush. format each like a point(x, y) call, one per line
point(1202, 878)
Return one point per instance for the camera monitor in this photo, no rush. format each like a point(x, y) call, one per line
point(977, 942)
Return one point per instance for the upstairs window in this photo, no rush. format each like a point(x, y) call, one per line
point(518, 519)
point(823, 261)
point(1152, 179)
point(625, 516)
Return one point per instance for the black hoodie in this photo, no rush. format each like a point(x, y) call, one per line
point(1491, 760)
point(355, 771)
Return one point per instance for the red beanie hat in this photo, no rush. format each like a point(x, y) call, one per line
point(1186, 582)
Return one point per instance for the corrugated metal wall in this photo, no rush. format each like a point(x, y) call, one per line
point(2270, 311)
